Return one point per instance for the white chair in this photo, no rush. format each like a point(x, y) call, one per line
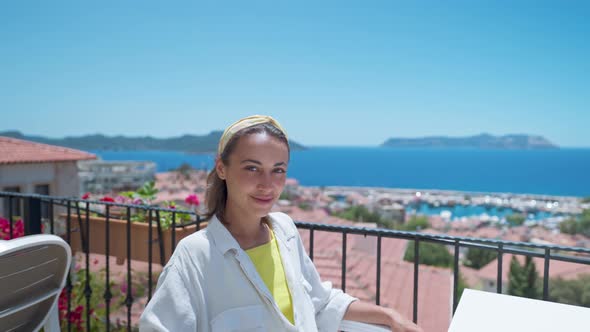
point(33, 271)
point(351, 326)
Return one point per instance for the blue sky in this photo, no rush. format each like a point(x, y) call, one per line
point(333, 72)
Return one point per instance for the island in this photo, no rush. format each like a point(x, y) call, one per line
point(482, 141)
point(186, 143)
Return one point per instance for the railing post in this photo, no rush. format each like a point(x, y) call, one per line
point(416, 270)
point(32, 218)
point(500, 262)
point(378, 288)
point(456, 277)
point(311, 243)
point(546, 275)
point(344, 261)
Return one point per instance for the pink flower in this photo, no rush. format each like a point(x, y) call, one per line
point(138, 201)
point(124, 288)
point(121, 199)
point(86, 196)
point(192, 199)
point(107, 199)
point(18, 229)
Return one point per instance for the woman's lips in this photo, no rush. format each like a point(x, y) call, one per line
point(263, 200)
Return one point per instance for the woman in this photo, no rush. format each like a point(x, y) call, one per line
point(248, 270)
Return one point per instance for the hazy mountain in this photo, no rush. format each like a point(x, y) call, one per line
point(482, 141)
point(186, 143)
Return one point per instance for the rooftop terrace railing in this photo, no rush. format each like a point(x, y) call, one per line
point(76, 215)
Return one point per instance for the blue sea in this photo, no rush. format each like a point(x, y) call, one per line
point(563, 172)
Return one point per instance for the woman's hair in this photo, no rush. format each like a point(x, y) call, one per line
point(216, 193)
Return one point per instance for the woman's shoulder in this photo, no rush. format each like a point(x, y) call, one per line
point(193, 245)
point(284, 221)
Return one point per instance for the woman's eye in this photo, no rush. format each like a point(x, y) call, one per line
point(252, 168)
point(280, 170)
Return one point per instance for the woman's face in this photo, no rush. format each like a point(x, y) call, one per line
point(255, 174)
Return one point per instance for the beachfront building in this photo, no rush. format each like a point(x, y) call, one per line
point(29, 167)
point(388, 208)
point(102, 177)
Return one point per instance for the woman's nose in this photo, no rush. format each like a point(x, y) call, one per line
point(265, 180)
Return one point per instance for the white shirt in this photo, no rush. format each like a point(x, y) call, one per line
point(210, 284)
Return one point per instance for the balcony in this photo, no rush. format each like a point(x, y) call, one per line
point(365, 262)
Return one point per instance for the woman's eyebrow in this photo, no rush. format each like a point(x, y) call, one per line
point(281, 163)
point(251, 161)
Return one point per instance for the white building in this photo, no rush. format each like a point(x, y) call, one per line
point(102, 177)
point(29, 167)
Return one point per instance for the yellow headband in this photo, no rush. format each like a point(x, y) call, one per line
point(243, 124)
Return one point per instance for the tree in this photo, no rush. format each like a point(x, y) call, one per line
point(430, 254)
point(531, 275)
point(515, 278)
point(516, 219)
point(415, 223)
point(574, 292)
point(522, 280)
point(185, 169)
point(479, 257)
point(579, 225)
point(359, 213)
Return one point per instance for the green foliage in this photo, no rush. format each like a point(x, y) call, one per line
point(148, 191)
point(515, 278)
point(532, 279)
point(516, 219)
point(430, 254)
point(360, 213)
point(574, 292)
point(479, 257)
point(97, 314)
point(146, 194)
point(286, 196)
point(415, 223)
point(305, 206)
point(185, 169)
point(523, 280)
point(97, 284)
point(386, 223)
point(579, 225)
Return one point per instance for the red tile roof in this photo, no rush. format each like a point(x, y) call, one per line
point(16, 151)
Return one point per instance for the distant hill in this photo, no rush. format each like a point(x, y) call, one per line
point(482, 141)
point(186, 143)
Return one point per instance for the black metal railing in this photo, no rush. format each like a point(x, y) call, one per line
point(79, 210)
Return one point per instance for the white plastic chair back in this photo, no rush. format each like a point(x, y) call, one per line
point(33, 271)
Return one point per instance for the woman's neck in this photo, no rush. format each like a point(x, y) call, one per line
point(249, 231)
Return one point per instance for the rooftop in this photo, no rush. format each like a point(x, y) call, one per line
point(16, 151)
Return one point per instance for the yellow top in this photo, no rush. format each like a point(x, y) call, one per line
point(269, 265)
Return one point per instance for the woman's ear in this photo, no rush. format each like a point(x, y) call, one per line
point(220, 168)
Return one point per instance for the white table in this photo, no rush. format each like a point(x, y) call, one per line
point(482, 312)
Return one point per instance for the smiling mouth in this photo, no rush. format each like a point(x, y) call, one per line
point(262, 199)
